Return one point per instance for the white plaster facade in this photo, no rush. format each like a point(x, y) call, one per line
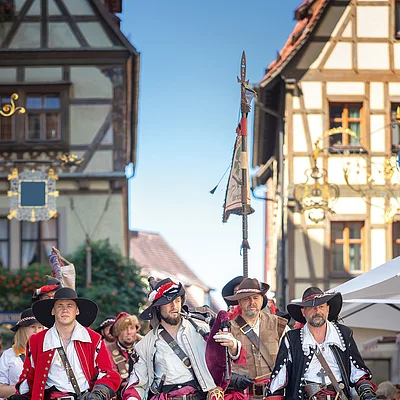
point(94, 69)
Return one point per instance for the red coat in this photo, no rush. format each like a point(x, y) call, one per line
point(94, 359)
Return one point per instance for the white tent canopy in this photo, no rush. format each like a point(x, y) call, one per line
point(381, 283)
point(372, 300)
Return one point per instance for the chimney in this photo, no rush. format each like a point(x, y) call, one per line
point(113, 7)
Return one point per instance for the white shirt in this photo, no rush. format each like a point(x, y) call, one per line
point(331, 337)
point(11, 367)
point(57, 375)
point(168, 363)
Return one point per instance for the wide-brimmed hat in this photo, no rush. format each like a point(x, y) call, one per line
point(249, 287)
point(87, 308)
point(48, 285)
point(108, 320)
point(164, 292)
point(26, 319)
point(313, 297)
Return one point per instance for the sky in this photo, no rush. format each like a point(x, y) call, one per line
point(188, 112)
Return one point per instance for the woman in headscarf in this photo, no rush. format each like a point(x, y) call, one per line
point(12, 360)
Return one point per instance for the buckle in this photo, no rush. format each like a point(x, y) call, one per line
point(186, 366)
point(118, 359)
point(247, 331)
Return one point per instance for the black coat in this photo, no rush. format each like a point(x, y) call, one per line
point(299, 363)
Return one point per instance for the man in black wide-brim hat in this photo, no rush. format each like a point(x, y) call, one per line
point(68, 360)
point(321, 359)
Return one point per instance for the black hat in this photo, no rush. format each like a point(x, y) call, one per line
point(228, 289)
point(313, 297)
point(248, 287)
point(48, 285)
point(27, 319)
point(87, 308)
point(164, 292)
point(109, 320)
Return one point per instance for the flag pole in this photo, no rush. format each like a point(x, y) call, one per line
point(242, 130)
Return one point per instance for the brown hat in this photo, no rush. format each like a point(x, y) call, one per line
point(249, 287)
point(122, 321)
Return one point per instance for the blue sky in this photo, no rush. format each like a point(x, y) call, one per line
point(188, 113)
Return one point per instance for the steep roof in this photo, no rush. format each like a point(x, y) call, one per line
point(307, 15)
point(155, 256)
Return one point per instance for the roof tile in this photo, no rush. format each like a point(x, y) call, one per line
point(307, 14)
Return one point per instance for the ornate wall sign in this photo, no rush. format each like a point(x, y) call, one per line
point(33, 195)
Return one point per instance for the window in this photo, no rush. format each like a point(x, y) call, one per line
point(4, 242)
point(396, 239)
point(37, 239)
point(43, 117)
point(346, 116)
point(395, 128)
point(45, 122)
point(347, 247)
point(6, 123)
point(397, 19)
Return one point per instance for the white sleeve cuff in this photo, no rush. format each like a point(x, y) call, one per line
point(239, 348)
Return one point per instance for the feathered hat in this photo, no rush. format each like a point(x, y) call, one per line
point(48, 285)
point(164, 292)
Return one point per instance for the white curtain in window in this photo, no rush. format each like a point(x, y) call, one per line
point(49, 231)
point(4, 244)
point(28, 248)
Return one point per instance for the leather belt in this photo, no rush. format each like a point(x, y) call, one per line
point(191, 396)
point(256, 389)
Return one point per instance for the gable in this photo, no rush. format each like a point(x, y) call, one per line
point(363, 30)
point(62, 24)
point(317, 20)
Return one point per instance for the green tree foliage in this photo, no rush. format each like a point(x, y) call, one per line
point(16, 288)
point(116, 282)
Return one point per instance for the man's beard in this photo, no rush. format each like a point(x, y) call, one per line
point(251, 313)
point(317, 323)
point(172, 320)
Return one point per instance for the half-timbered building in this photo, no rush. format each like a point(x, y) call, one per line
point(327, 105)
point(77, 76)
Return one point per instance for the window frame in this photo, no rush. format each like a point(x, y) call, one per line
point(345, 124)
point(395, 240)
point(396, 32)
point(12, 140)
point(346, 241)
point(7, 240)
point(42, 113)
point(39, 240)
point(20, 121)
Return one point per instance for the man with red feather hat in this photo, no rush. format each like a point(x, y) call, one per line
point(172, 362)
